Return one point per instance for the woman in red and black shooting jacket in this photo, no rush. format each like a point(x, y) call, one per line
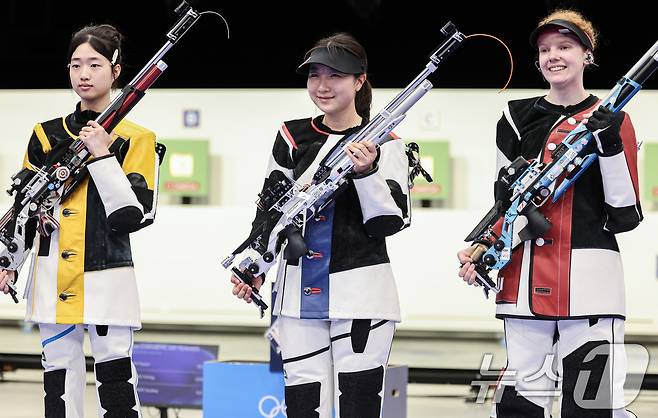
point(563, 293)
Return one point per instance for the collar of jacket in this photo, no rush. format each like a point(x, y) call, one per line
point(79, 118)
point(317, 121)
point(545, 106)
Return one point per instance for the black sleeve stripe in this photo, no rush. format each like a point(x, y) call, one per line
point(35, 154)
point(383, 226)
point(281, 152)
point(623, 219)
point(127, 219)
point(506, 139)
point(399, 197)
point(145, 197)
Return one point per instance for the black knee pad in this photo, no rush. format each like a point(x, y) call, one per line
point(53, 385)
point(512, 405)
point(101, 330)
point(597, 385)
point(359, 334)
point(359, 393)
point(302, 401)
point(116, 393)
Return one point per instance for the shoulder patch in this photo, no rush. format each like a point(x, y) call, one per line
point(52, 132)
point(55, 127)
point(297, 126)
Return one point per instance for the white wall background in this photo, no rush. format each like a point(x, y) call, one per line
point(177, 259)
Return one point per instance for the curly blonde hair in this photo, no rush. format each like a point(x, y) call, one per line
point(577, 19)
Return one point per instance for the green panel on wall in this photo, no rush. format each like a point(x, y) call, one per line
point(435, 158)
point(650, 183)
point(184, 171)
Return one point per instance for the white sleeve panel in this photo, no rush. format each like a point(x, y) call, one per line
point(374, 191)
point(113, 186)
point(617, 183)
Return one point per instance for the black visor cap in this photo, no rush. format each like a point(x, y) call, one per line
point(564, 27)
point(336, 58)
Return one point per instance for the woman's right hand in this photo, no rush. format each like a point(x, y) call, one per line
point(467, 270)
point(95, 138)
point(243, 290)
point(6, 276)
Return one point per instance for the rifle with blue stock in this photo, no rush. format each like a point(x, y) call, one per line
point(532, 184)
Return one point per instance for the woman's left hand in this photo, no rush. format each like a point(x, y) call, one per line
point(606, 128)
point(362, 154)
point(95, 138)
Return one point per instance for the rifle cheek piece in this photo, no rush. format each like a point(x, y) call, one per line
point(537, 225)
point(296, 246)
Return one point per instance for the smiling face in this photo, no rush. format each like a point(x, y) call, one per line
point(91, 75)
point(332, 92)
point(561, 59)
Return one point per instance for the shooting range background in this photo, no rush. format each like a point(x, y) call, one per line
point(242, 88)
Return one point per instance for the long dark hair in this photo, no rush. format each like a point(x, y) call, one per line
point(347, 42)
point(105, 39)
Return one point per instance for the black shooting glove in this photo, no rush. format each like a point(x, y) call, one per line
point(606, 126)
